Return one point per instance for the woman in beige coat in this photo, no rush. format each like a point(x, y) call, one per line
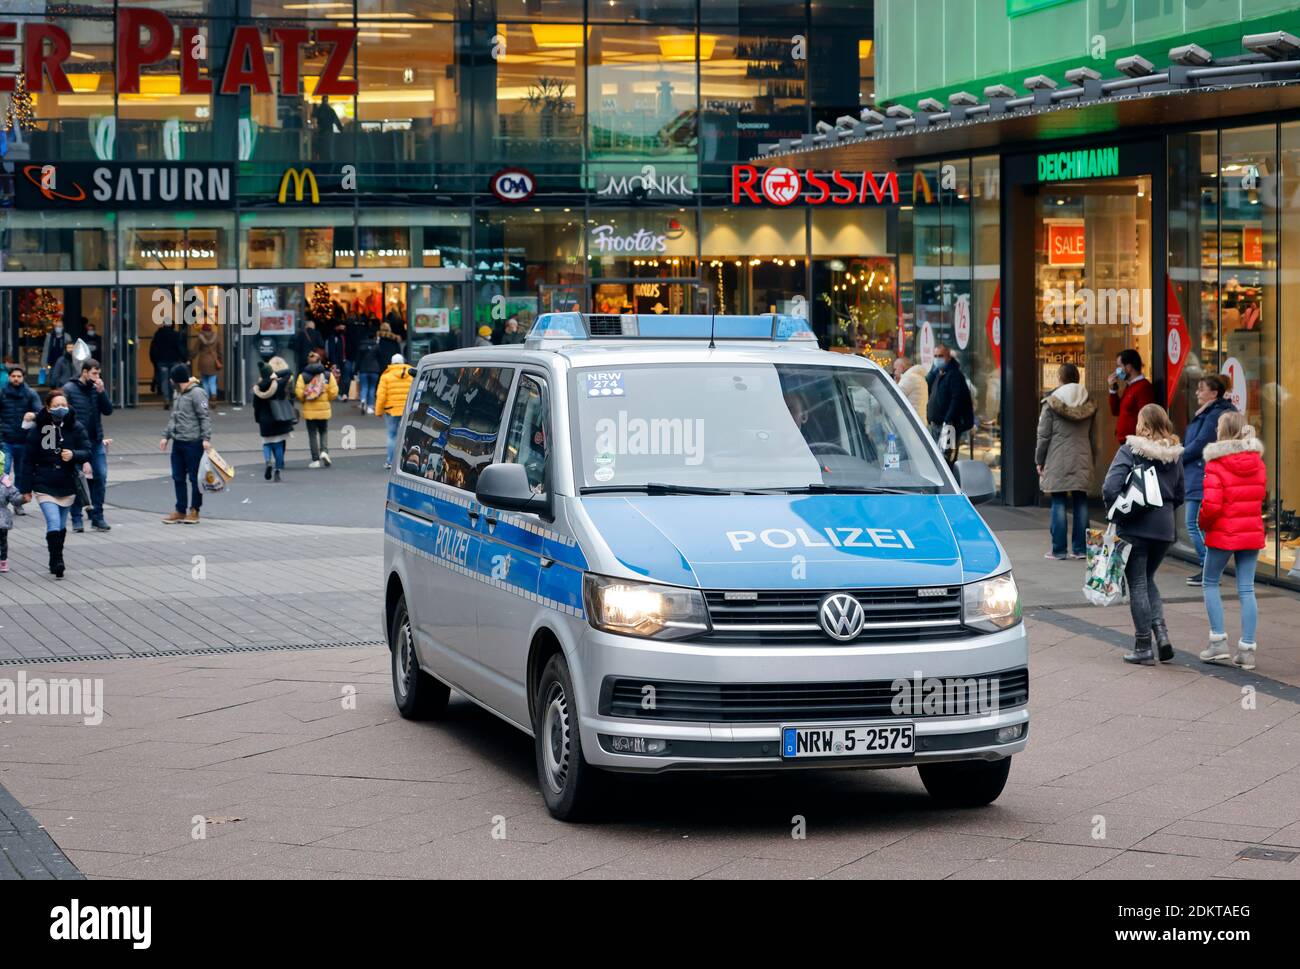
point(1064, 458)
point(206, 358)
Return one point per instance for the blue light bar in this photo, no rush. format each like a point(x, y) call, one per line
point(773, 327)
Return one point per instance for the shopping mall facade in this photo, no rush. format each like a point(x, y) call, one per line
point(444, 164)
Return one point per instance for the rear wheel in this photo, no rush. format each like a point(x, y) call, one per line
point(417, 694)
point(972, 783)
point(570, 786)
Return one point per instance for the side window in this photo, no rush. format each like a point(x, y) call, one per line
point(469, 443)
point(529, 430)
point(434, 398)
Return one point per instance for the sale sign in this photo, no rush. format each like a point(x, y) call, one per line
point(961, 321)
point(993, 326)
point(1065, 242)
point(1178, 341)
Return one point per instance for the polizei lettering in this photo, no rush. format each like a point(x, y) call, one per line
point(830, 537)
point(452, 544)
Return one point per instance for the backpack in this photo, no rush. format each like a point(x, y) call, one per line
point(1140, 493)
point(315, 387)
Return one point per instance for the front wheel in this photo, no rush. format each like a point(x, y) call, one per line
point(972, 783)
point(570, 786)
point(417, 694)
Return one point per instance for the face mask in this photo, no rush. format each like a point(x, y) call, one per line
point(1119, 373)
point(60, 412)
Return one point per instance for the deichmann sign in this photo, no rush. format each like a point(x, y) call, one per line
point(784, 186)
point(1059, 166)
point(117, 185)
point(146, 37)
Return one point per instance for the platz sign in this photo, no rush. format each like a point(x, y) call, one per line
point(146, 37)
point(785, 186)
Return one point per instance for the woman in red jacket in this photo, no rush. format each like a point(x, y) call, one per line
point(1232, 520)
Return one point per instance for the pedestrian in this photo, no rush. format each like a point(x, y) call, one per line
point(950, 410)
point(1149, 529)
point(388, 343)
point(339, 352)
point(309, 338)
point(1235, 486)
point(90, 403)
point(52, 348)
point(368, 370)
point(56, 448)
point(189, 429)
point(514, 333)
point(911, 381)
point(1127, 401)
point(166, 350)
point(10, 498)
point(484, 337)
point(65, 368)
point(273, 412)
point(16, 399)
point(1064, 457)
point(394, 386)
point(316, 387)
point(92, 339)
point(1202, 429)
point(206, 357)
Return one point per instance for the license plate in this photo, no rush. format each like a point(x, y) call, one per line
point(856, 740)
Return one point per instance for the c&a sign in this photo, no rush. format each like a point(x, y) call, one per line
point(146, 37)
point(785, 186)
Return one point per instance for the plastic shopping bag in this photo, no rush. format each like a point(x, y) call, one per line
point(214, 471)
point(1103, 583)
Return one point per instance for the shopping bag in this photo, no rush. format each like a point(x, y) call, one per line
point(214, 471)
point(354, 389)
point(224, 467)
point(81, 488)
point(1103, 583)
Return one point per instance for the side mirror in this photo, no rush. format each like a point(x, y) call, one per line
point(411, 372)
point(976, 480)
point(506, 486)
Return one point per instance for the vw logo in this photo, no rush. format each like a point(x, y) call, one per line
point(842, 616)
point(513, 185)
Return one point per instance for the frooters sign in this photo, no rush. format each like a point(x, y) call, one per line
point(605, 240)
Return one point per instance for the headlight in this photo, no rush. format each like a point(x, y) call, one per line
point(642, 608)
point(991, 604)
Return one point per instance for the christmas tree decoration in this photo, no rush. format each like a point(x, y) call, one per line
point(38, 311)
point(321, 304)
point(20, 114)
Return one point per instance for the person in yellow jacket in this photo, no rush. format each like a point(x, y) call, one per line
point(390, 399)
point(316, 387)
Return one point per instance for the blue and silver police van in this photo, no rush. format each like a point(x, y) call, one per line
point(698, 543)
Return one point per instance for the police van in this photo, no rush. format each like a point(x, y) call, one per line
point(698, 543)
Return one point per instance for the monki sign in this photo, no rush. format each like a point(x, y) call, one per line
point(146, 37)
point(1059, 166)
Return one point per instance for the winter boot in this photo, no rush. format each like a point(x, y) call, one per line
point(267, 476)
point(54, 541)
point(277, 475)
point(1217, 651)
point(1141, 650)
point(1245, 658)
point(1164, 648)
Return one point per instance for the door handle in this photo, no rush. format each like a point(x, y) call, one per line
point(473, 516)
point(545, 562)
point(491, 519)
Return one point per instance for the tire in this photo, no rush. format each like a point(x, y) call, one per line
point(417, 694)
point(972, 783)
point(571, 787)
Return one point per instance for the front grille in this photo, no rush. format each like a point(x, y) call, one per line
point(777, 702)
point(790, 617)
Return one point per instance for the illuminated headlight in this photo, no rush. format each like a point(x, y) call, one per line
point(642, 608)
point(991, 604)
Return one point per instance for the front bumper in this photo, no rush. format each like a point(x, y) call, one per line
point(751, 745)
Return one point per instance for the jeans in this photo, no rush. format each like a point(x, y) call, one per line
point(1216, 559)
point(98, 485)
point(14, 456)
point(369, 384)
point(209, 384)
point(274, 452)
point(1079, 502)
point(165, 380)
point(1194, 532)
point(318, 437)
point(345, 378)
point(56, 516)
point(186, 456)
point(393, 421)
point(1143, 597)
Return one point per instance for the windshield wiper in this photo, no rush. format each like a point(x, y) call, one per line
point(658, 488)
point(822, 488)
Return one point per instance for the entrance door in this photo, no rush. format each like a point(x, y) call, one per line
point(1093, 276)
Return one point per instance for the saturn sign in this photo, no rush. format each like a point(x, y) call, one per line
point(513, 185)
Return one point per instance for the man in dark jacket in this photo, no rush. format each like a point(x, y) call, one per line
point(91, 405)
point(16, 399)
point(950, 401)
point(166, 350)
point(1202, 429)
point(189, 430)
point(338, 351)
point(307, 340)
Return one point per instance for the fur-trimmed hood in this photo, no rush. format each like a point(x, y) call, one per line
point(1072, 402)
point(1241, 445)
point(1155, 450)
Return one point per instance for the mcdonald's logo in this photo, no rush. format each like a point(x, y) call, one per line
point(299, 178)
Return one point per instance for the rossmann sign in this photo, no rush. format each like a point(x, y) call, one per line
point(785, 186)
point(147, 37)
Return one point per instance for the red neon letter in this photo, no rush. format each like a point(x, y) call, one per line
point(192, 82)
point(8, 31)
point(290, 40)
point(131, 54)
point(819, 183)
point(39, 62)
point(745, 184)
point(246, 43)
point(888, 186)
point(331, 75)
point(841, 182)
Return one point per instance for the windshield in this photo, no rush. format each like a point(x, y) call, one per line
point(746, 427)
